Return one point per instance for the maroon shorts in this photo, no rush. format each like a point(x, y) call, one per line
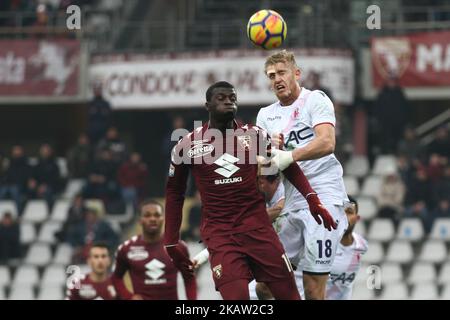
point(256, 254)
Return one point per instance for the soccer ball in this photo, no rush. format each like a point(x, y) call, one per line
point(267, 29)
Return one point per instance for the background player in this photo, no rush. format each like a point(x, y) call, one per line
point(306, 120)
point(96, 285)
point(153, 275)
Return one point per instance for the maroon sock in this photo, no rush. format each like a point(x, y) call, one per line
point(235, 290)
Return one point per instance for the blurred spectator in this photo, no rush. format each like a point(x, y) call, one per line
point(167, 143)
point(114, 144)
point(16, 176)
point(419, 189)
point(9, 238)
point(405, 169)
point(419, 210)
point(442, 210)
point(441, 143)
point(133, 177)
point(74, 216)
point(40, 25)
point(313, 82)
point(99, 115)
point(409, 146)
point(80, 157)
point(441, 189)
point(391, 110)
point(391, 196)
point(192, 233)
point(436, 167)
point(91, 229)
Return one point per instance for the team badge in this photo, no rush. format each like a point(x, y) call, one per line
point(217, 270)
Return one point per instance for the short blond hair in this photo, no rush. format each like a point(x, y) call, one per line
point(283, 56)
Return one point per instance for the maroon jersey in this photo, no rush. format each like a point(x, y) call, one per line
point(152, 272)
point(225, 172)
point(90, 290)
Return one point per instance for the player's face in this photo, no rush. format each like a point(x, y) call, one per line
point(284, 80)
point(152, 219)
point(223, 104)
point(352, 216)
point(99, 260)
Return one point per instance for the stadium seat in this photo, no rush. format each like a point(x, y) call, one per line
point(445, 294)
point(424, 291)
point(375, 253)
point(385, 165)
point(433, 251)
point(444, 274)
point(73, 187)
point(360, 228)
point(54, 275)
point(391, 273)
point(51, 293)
point(63, 254)
point(27, 233)
point(371, 186)
point(5, 276)
point(22, 292)
point(361, 292)
point(26, 275)
point(367, 207)
point(357, 166)
point(362, 275)
point(394, 291)
point(422, 272)
point(8, 205)
point(62, 165)
point(36, 211)
point(381, 229)
point(351, 185)
point(441, 229)
point(2, 293)
point(48, 230)
point(410, 229)
point(60, 210)
point(39, 254)
point(400, 252)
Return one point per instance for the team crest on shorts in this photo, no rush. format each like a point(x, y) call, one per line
point(217, 270)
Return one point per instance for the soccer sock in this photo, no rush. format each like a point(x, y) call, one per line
point(235, 290)
point(284, 290)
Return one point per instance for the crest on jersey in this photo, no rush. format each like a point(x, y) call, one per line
point(245, 141)
point(87, 291)
point(217, 270)
point(137, 253)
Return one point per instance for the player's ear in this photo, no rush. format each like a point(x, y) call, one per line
point(207, 106)
point(298, 73)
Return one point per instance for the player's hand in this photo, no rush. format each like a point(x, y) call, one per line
point(137, 297)
point(180, 260)
point(317, 209)
point(281, 159)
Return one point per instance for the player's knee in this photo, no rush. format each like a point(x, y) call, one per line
point(263, 292)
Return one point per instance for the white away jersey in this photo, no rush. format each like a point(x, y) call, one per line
point(346, 265)
point(297, 123)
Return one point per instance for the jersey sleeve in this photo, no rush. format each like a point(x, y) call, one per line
point(260, 120)
point(362, 245)
point(190, 282)
point(321, 109)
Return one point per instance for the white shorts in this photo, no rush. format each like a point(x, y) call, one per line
point(303, 238)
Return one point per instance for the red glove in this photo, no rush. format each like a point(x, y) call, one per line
point(317, 209)
point(180, 260)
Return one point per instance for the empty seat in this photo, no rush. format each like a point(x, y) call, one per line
point(2, 293)
point(51, 292)
point(433, 251)
point(5, 276)
point(372, 186)
point(444, 274)
point(360, 228)
point(410, 229)
point(394, 291)
point(63, 254)
point(73, 187)
point(8, 205)
point(351, 185)
point(48, 230)
point(36, 211)
point(26, 275)
point(375, 253)
point(60, 210)
point(381, 229)
point(391, 273)
point(424, 291)
point(357, 166)
point(422, 272)
point(361, 292)
point(441, 229)
point(39, 254)
point(367, 207)
point(27, 233)
point(400, 251)
point(385, 165)
point(54, 275)
point(445, 294)
point(22, 292)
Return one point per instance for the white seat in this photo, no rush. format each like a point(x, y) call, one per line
point(367, 207)
point(51, 293)
point(441, 229)
point(54, 275)
point(360, 228)
point(60, 210)
point(22, 292)
point(5, 276)
point(385, 165)
point(362, 275)
point(63, 254)
point(48, 230)
point(351, 185)
point(36, 211)
point(361, 292)
point(433, 251)
point(62, 166)
point(357, 166)
point(375, 253)
point(424, 291)
point(381, 229)
point(39, 254)
point(400, 252)
point(410, 229)
point(2, 293)
point(394, 291)
point(27, 233)
point(444, 274)
point(372, 186)
point(422, 272)
point(26, 275)
point(73, 187)
point(445, 294)
point(391, 273)
point(8, 205)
